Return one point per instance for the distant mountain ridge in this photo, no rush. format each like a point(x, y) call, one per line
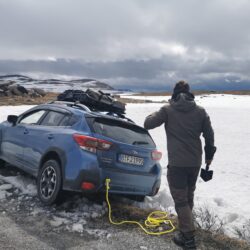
point(55, 85)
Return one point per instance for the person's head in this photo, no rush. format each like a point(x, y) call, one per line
point(180, 87)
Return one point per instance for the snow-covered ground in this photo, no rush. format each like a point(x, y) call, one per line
point(228, 193)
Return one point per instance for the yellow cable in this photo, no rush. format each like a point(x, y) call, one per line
point(154, 219)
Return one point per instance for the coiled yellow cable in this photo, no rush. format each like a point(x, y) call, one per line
point(154, 219)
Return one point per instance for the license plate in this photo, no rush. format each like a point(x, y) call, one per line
point(129, 159)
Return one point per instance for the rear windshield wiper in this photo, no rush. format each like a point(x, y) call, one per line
point(139, 142)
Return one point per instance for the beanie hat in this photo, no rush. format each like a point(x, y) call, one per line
point(180, 87)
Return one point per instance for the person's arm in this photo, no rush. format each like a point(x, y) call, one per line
point(208, 134)
point(156, 119)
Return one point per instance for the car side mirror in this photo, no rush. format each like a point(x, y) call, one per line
point(12, 119)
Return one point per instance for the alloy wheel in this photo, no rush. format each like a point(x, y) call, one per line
point(48, 182)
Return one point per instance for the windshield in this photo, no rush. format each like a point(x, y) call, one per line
point(123, 132)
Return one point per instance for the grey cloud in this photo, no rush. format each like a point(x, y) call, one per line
point(135, 43)
point(110, 29)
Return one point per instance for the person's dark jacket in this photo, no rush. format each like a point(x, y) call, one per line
point(184, 122)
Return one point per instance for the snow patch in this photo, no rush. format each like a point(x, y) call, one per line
point(5, 187)
point(97, 232)
point(26, 185)
point(2, 194)
point(232, 217)
point(77, 227)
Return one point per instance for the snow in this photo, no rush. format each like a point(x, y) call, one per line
point(77, 227)
point(2, 194)
point(5, 187)
point(213, 100)
point(227, 194)
point(147, 98)
point(58, 221)
point(12, 110)
point(97, 232)
point(26, 185)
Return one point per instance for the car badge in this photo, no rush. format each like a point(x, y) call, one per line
point(135, 152)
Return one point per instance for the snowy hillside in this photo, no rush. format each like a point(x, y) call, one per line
point(55, 85)
point(228, 193)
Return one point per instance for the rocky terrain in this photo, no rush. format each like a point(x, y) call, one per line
point(53, 85)
point(11, 89)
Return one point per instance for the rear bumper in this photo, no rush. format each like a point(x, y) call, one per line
point(133, 183)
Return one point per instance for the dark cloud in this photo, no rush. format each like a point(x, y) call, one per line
point(154, 74)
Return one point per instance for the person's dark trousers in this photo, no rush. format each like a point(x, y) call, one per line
point(182, 181)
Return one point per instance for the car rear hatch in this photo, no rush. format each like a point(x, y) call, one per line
point(131, 159)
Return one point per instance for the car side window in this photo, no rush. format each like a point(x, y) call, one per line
point(53, 118)
point(32, 118)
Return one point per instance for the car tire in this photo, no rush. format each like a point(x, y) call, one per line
point(49, 182)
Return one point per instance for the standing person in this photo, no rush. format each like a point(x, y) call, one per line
point(184, 123)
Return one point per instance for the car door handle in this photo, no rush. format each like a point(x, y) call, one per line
point(50, 136)
point(26, 131)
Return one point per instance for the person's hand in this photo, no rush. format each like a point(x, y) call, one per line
point(208, 162)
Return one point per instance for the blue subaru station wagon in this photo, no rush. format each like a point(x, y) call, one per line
point(66, 146)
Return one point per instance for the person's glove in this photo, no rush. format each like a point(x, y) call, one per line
point(209, 153)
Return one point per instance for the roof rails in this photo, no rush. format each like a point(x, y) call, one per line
point(117, 115)
point(85, 108)
point(72, 104)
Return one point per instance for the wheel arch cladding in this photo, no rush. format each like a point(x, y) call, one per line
point(55, 154)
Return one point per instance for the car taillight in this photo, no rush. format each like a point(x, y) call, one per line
point(91, 144)
point(87, 185)
point(156, 155)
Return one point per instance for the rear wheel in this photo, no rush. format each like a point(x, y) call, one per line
point(49, 182)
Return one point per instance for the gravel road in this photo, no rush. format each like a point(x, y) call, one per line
point(35, 232)
point(78, 223)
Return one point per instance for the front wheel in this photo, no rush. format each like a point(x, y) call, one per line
point(49, 182)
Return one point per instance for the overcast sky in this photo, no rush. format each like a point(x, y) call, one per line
point(132, 43)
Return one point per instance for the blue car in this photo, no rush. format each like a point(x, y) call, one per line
point(66, 146)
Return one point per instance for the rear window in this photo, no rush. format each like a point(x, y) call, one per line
point(123, 132)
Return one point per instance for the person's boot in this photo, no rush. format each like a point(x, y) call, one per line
point(188, 243)
point(179, 239)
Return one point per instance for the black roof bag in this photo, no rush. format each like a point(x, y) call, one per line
point(95, 100)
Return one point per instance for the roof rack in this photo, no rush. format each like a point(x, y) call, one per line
point(85, 108)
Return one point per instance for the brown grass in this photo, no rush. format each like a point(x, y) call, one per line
point(22, 100)
point(205, 238)
point(121, 212)
point(221, 241)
